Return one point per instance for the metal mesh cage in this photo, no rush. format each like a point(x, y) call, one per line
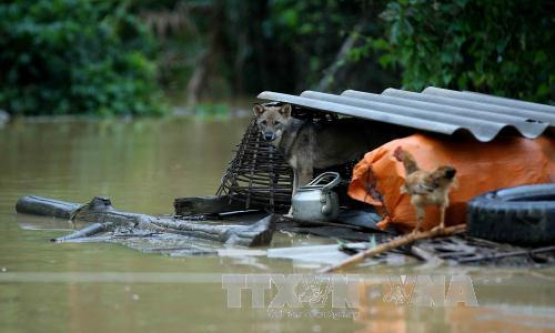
point(258, 176)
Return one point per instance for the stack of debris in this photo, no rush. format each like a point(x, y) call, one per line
point(259, 179)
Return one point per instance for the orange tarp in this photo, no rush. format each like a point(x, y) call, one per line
point(481, 167)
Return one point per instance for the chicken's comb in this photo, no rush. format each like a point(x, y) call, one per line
point(399, 154)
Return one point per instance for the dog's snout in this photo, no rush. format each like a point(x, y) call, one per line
point(268, 136)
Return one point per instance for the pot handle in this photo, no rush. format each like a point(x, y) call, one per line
point(333, 183)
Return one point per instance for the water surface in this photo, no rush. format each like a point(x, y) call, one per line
point(142, 165)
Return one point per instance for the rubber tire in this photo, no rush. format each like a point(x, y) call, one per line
point(523, 215)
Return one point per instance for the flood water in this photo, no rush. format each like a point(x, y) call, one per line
point(142, 165)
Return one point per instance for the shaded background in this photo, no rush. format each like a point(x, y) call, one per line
point(140, 57)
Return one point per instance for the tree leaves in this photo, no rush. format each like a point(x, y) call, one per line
point(75, 56)
point(498, 47)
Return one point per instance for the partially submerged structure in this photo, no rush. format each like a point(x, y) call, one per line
point(259, 176)
point(258, 180)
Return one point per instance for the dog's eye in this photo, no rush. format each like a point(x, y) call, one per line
point(277, 123)
point(264, 122)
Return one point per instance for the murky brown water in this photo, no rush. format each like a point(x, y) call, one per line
point(142, 166)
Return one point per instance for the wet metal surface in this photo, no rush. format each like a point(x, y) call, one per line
point(434, 110)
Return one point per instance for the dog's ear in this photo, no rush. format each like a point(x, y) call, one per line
point(286, 110)
point(257, 109)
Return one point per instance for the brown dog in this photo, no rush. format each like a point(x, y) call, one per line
point(307, 145)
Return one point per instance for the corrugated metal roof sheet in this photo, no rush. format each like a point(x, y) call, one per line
point(435, 110)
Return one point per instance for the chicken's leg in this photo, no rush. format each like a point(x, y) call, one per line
point(442, 209)
point(419, 218)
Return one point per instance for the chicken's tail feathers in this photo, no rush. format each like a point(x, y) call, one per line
point(399, 154)
point(408, 160)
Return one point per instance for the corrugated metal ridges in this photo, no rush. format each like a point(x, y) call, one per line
point(436, 110)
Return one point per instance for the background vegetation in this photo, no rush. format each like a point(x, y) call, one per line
point(115, 57)
point(499, 47)
point(76, 56)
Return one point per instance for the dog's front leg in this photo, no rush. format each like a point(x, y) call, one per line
point(296, 181)
point(302, 177)
point(305, 172)
point(306, 177)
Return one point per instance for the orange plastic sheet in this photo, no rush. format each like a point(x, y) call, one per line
point(481, 167)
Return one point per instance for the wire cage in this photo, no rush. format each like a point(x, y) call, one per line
point(259, 176)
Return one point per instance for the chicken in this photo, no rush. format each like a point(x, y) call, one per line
point(426, 188)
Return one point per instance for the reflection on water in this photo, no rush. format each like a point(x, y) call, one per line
point(142, 166)
point(513, 306)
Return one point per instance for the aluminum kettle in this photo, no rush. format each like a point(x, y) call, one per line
point(316, 201)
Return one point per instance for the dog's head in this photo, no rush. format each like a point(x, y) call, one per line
point(272, 119)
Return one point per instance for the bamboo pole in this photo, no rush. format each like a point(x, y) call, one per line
point(393, 244)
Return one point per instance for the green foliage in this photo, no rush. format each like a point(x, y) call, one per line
point(95, 57)
point(243, 47)
point(310, 34)
point(499, 47)
point(75, 57)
